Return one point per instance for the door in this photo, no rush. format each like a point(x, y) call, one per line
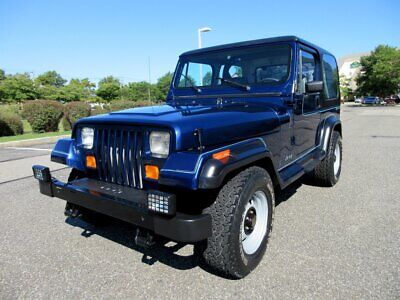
point(306, 116)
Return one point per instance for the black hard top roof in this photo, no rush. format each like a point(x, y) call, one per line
point(289, 38)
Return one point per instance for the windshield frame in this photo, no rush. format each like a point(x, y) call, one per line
point(257, 85)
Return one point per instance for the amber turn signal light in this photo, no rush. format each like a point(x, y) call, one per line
point(152, 172)
point(222, 155)
point(91, 162)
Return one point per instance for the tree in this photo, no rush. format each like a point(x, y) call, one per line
point(207, 78)
point(380, 72)
point(49, 92)
point(51, 78)
point(109, 88)
point(345, 89)
point(162, 86)
point(2, 74)
point(17, 87)
point(77, 90)
point(139, 91)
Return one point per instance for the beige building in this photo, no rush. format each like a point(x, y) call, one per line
point(349, 67)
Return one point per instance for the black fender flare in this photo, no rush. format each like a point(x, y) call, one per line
point(330, 124)
point(213, 171)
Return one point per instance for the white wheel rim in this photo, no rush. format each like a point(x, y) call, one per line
point(252, 236)
point(336, 164)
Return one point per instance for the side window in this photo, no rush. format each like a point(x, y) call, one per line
point(195, 74)
point(331, 80)
point(307, 70)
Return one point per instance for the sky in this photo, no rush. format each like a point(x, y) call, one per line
point(93, 39)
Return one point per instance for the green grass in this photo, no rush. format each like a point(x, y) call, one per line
point(31, 135)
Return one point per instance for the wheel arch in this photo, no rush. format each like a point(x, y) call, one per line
point(338, 128)
point(330, 124)
point(215, 173)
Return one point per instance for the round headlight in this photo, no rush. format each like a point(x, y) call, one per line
point(159, 143)
point(87, 136)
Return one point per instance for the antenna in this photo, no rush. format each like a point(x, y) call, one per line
point(149, 82)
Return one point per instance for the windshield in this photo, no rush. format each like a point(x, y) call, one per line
point(238, 68)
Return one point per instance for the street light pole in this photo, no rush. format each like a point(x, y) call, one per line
point(199, 31)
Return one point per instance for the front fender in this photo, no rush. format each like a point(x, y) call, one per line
point(202, 171)
point(65, 152)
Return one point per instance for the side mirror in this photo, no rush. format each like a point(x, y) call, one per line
point(314, 86)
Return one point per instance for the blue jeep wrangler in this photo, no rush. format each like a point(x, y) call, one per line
point(240, 122)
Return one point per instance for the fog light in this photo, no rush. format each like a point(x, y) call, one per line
point(161, 202)
point(41, 173)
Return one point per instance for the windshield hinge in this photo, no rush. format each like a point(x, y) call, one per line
point(197, 132)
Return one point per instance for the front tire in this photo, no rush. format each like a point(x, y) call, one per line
point(241, 223)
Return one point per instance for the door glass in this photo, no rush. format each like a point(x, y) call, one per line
point(308, 73)
point(307, 70)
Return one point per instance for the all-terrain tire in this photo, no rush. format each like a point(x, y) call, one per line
point(324, 173)
point(224, 250)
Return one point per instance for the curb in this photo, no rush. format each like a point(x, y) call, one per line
point(33, 142)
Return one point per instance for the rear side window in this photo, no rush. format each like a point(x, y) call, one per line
point(331, 79)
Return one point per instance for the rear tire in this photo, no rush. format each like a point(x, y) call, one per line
point(327, 172)
point(241, 223)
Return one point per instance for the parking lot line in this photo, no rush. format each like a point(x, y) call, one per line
point(25, 148)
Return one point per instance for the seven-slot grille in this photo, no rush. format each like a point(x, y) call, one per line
point(118, 156)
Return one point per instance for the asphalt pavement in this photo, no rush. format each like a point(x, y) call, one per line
point(327, 243)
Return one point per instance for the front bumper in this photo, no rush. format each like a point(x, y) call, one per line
point(128, 204)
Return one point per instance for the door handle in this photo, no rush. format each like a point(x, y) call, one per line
point(298, 105)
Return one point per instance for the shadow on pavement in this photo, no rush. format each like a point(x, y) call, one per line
point(164, 251)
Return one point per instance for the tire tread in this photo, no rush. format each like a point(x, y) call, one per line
point(218, 252)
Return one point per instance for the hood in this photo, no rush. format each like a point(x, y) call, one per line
point(219, 124)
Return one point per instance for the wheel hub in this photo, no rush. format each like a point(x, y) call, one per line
point(336, 159)
point(250, 220)
point(255, 222)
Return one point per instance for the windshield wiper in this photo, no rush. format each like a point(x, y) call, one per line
point(192, 85)
point(233, 83)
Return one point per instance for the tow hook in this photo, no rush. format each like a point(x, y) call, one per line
point(144, 238)
point(72, 211)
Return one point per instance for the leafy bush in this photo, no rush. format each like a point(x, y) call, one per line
point(99, 111)
point(43, 115)
point(121, 104)
point(144, 103)
point(125, 104)
point(65, 124)
point(10, 108)
point(74, 111)
point(10, 124)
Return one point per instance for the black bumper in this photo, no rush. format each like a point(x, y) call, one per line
point(129, 205)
